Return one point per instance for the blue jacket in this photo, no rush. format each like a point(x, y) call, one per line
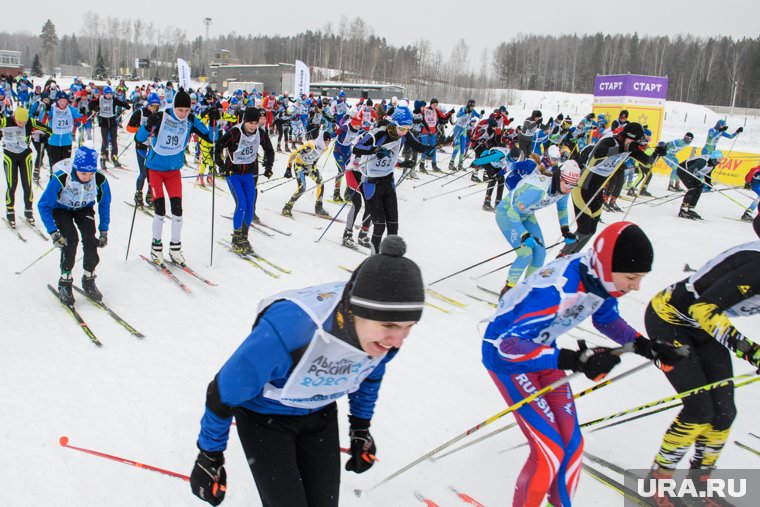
point(65, 139)
point(550, 302)
point(266, 356)
point(54, 198)
point(153, 126)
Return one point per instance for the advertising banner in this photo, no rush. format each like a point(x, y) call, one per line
point(302, 79)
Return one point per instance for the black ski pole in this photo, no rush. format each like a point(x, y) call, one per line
point(131, 227)
point(213, 188)
point(334, 218)
point(450, 192)
point(473, 266)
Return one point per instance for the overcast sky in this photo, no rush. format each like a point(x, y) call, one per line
point(481, 23)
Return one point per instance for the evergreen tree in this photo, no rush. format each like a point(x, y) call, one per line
point(36, 66)
point(49, 43)
point(75, 55)
point(101, 70)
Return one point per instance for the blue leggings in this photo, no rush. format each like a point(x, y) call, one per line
point(460, 142)
point(755, 189)
point(529, 258)
point(143, 170)
point(428, 140)
point(672, 162)
point(243, 190)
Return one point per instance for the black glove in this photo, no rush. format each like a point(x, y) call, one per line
point(58, 239)
point(382, 153)
point(550, 121)
point(740, 130)
point(288, 173)
point(103, 239)
point(209, 479)
point(213, 114)
point(660, 151)
point(362, 446)
point(664, 355)
point(452, 111)
point(595, 363)
point(566, 233)
point(268, 172)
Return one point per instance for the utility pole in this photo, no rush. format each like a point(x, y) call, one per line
point(733, 98)
point(207, 22)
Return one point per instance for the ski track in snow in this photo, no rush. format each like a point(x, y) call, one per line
point(143, 399)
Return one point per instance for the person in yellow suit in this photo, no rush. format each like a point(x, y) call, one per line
point(303, 161)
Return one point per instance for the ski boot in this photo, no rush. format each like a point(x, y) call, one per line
point(336, 196)
point(684, 212)
point(699, 478)
point(694, 215)
point(645, 193)
point(487, 206)
point(278, 148)
point(287, 149)
point(677, 187)
point(287, 211)
point(29, 217)
point(115, 161)
point(247, 247)
point(11, 217)
point(149, 199)
point(89, 287)
point(363, 239)
point(65, 292)
point(474, 177)
point(348, 239)
point(237, 243)
point(747, 216)
point(103, 163)
point(460, 166)
point(613, 205)
point(321, 211)
point(422, 168)
point(631, 192)
point(435, 168)
point(452, 167)
point(294, 148)
point(36, 176)
point(139, 199)
point(157, 252)
point(175, 254)
point(505, 289)
point(659, 474)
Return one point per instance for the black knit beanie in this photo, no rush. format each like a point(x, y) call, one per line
point(251, 114)
point(633, 252)
point(182, 99)
point(388, 287)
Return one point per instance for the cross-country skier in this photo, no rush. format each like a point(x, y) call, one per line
point(237, 154)
point(16, 130)
point(302, 164)
point(68, 204)
point(137, 120)
point(752, 182)
point(106, 106)
point(520, 352)
point(714, 135)
point(308, 348)
point(671, 150)
point(459, 137)
point(497, 163)
point(694, 312)
point(694, 173)
point(170, 131)
point(61, 118)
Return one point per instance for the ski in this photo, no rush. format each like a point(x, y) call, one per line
point(249, 259)
point(465, 497)
point(688, 269)
point(323, 217)
point(37, 230)
point(110, 312)
point(191, 272)
point(476, 298)
point(355, 248)
point(163, 269)
point(344, 268)
point(78, 318)
point(429, 503)
point(140, 208)
point(442, 297)
point(22, 238)
point(262, 231)
point(756, 436)
point(617, 486)
point(275, 266)
point(262, 224)
point(747, 448)
point(484, 289)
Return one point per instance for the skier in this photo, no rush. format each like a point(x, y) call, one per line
point(459, 137)
point(521, 356)
point(529, 128)
point(714, 135)
point(105, 105)
point(281, 389)
point(61, 118)
point(622, 120)
point(671, 150)
point(694, 312)
point(170, 131)
point(237, 153)
point(603, 160)
point(694, 173)
point(137, 120)
point(16, 130)
point(517, 221)
point(497, 162)
point(431, 116)
point(68, 200)
point(38, 111)
point(375, 155)
point(303, 162)
point(752, 182)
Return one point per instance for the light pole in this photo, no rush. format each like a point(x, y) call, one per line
point(207, 22)
point(733, 98)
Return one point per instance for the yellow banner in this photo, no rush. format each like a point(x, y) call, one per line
point(731, 172)
point(650, 116)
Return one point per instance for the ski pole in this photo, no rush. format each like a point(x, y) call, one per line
point(468, 195)
point(551, 387)
point(213, 189)
point(272, 180)
point(506, 266)
point(581, 394)
point(334, 218)
point(449, 192)
point(64, 441)
point(275, 186)
point(732, 145)
point(131, 228)
point(464, 173)
point(433, 180)
point(473, 266)
point(35, 261)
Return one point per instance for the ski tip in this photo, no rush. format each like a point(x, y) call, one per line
point(64, 441)
point(358, 493)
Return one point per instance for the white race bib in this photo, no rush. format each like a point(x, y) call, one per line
point(248, 148)
point(171, 136)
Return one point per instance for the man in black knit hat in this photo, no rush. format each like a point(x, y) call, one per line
point(307, 348)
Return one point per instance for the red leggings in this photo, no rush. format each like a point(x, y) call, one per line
point(172, 180)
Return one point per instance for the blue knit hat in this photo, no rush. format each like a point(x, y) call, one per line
point(402, 117)
point(85, 160)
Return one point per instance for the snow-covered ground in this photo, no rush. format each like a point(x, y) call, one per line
point(143, 399)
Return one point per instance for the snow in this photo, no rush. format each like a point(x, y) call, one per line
point(143, 399)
